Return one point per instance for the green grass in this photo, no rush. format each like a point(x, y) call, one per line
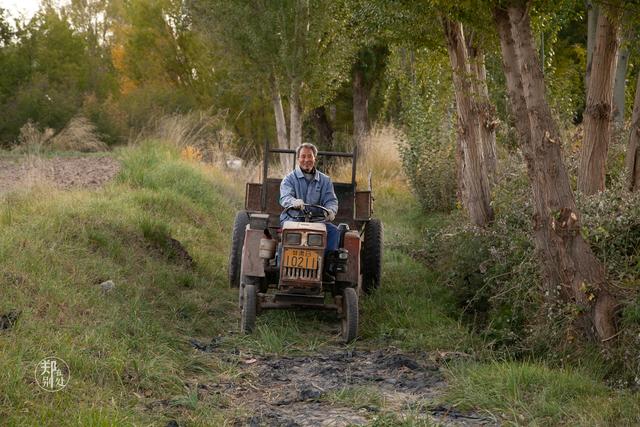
point(533, 394)
point(55, 249)
point(128, 349)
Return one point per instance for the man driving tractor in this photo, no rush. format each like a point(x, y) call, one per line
point(305, 185)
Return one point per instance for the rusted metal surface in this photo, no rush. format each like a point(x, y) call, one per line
point(252, 197)
point(252, 264)
point(291, 300)
point(352, 244)
point(363, 205)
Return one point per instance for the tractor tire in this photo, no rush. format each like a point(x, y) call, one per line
point(249, 309)
point(237, 241)
point(349, 315)
point(371, 259)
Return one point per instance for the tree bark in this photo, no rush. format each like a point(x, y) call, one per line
point(360, 109)
point(323, 128)
point(542, 239)
point(476, 195)
point(572, 272)
point(619, 87)
point(281, 124)
point(633, 149)
point(485, 110)
point(592, 24)
point(295, 116)
point(597, 123)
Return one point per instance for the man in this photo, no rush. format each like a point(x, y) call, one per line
point(306, 185)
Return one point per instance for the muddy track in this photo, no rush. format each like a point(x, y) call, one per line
point(338, 388)
point(60, 172)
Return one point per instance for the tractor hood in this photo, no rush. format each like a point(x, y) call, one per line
point(304, 226)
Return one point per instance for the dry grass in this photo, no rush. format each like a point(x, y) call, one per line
point(78, 135)
point(200, 132)
point(31, 139)
point(380, 160)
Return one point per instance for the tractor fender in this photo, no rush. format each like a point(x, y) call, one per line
point(252, 264)
point(352, 244)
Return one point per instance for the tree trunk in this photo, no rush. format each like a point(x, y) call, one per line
point(633, 150)
point(281, 124)
point(597, 123)
point(486, 111)
point(592, 24)
point(475, 187)
point(323, 128)
point(518, 106)
point(295, 117)
point(360, 109)
point(619, 87)
point(566, 256)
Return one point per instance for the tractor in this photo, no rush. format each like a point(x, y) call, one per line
point(286, 266)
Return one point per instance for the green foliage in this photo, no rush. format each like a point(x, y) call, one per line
point(421, 82)
point(46, 71)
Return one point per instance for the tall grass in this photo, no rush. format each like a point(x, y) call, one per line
point(78, 135)
point(126, 348)
point(379, 160)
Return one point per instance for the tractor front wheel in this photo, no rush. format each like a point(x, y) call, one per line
point(248, 303)
point(349, 315)
point(237, 242)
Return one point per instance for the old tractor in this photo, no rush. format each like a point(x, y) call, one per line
point(284, 266)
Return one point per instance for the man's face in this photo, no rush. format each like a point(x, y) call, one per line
point(306, 159)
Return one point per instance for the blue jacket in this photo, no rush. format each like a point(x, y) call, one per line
point(319, 191)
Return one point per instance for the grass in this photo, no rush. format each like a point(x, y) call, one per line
point(534, 394)
point(56, 247)
point(129, 349)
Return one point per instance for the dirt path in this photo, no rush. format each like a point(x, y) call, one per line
point(61, 172)
point(337, 388)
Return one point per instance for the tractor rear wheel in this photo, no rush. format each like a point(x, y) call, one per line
point(237, 242)
point(349, 315)
point(249, 306)
point(371, 259)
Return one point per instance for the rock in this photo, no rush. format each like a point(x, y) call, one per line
point(207, 348)
point(8, 320)
point(107, 286)
point(309, 393)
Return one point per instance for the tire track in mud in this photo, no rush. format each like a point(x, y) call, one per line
point(339, 388)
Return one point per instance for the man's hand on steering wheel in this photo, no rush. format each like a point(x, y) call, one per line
point(307, 214)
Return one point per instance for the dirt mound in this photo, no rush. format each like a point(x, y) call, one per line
point(61, 172)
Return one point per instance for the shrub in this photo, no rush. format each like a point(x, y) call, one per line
point(78, 135)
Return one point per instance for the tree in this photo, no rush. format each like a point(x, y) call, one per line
point(620, 83)
point(599, 109)
point(633, 149)
point(484, 107)
point(296, 48)
point(572, 272)
point(475, 182)
point(367, 69)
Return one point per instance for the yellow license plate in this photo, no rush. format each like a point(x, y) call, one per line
point(300, 258)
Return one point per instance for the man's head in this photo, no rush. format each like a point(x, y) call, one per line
point(306, 154)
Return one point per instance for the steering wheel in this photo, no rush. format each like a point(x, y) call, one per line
point(307, 214)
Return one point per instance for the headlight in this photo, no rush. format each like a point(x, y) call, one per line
point(293, 238)
point(314, 239)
